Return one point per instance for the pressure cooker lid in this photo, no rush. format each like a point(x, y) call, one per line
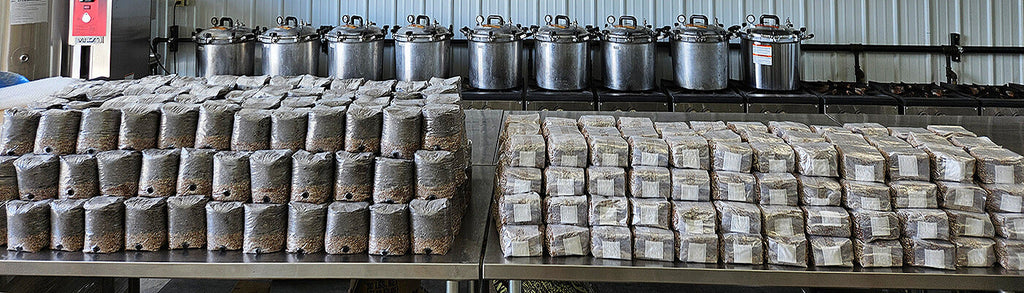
point(627, 30)
point(288, 30)
point(698, 30)
point(772, 32)
point(420, 29)
point(494, 29)
point(224, 31)
point(354, 29)
point(560, 29)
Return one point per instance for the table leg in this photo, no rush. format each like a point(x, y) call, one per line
point(515, 286)
point(452, 287)
point(134, 286)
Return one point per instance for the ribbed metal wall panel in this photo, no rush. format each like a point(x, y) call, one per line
point(889, 22)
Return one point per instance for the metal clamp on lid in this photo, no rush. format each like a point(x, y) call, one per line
point(629, 31)
point(289, 30)
point(560, 29)
point(355, 29)
point(495, 29)
point(224, 31)
point(699, 32)
point(420, 29)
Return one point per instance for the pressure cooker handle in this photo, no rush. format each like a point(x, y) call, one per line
point(770, 16)
point(624, 18)
point(352, 20)
point(564, 18)
point(231, 22)
point(490, 18)
point(287, 20)
point(466, 31)
point(419, 19)
point(699, 16)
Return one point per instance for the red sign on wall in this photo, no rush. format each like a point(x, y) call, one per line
point(89, 18)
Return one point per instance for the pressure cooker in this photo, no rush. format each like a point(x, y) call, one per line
point(628, 50)
point(227, 48)
point(422, 49)
point(700, 54)
point(771, 53)
point(356, 49)
point(290, 49)
point(495, 53)
point(561, 57)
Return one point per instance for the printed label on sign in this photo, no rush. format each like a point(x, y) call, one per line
point(650, 189)
point(527, 159)
point(1010, 203)
point(761, 54)
point(934, 258)
point(881, 257)
point(521, 186)
point(871, 203)
point(831, 218)
point(610, 249)
point(819, 167)
point(695, 226)
point(688, 192)
point(520, 248)
point(731, 162)
point(737, 192)
point(908, 165)
point(740, 224)
point(926, 230)
point(777, 197)
point(879, 226)
point(605, 187)
point(786, 253)
point(976, 257)
point(568, 214)
point(572, 246)
point(830, 256)
point(777, 166)
point(569, 161)
point(864, 173)
point(742, 253)
point(917, 199)
point(610, 160)
point(690, 159)
point(29, 11)
point(784, 226)
point(974, 227)
point(565, 187)
point(521, 213)
point(648, 159)
point(648, 215)
point(954, 169)
point(654, 249)
point(964, 198)
point(696, 252)
point(1004, 174)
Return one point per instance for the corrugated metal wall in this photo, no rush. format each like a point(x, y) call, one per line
point(889, 22)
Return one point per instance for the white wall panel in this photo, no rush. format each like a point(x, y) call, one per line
point(889, 22)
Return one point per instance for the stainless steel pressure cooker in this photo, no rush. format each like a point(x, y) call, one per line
point(422, 49)
point(356, 49)
point(629, 52)
point(561, 56)
point(495, 53)
point(771, 53)
point(227, 48)
point(700, 54)
point(291, 48)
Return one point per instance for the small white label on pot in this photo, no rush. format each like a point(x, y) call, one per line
point(831, 218)
point(565, 187)
point(819, 167)
point(521, 186)
point(784, 226)
point(871, 203)
point(650, 189)
point(648, 215)
point(964, 198)
point(974, 227)
point(607, 216)
point(520, 248)
point(954, 169)
point(831, 256)
point(605, 187)
point(777, 197)
point(648, 159)
point(610, 249)
point(976, 257)
point(1010, 203)
point(742, 253)
point(695, 226)
point(737, 192)
point(917, 199)
point(934, 258)
point(881, 257)
point(926, 230)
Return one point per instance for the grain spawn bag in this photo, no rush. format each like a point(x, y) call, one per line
point(913, 194)
point(145, 223)
point(998, 165)
point(1005, 198)
point(98, 130)
point(104, 224)
point(845, 138)
point(924, 223)
point(707, 126)
point(528, 151)
point(786, 250)
point(251, 131)
point(605, 181)
point(400, 132)
point(740, 126)
point(968, 224)
point(867, 128)
point(733, 186)
point(394, 180)
point(878, 254)
point(780, 127)
point(306, 227)
point(609, 151)
point(644, 151)
point(827, 221)
point(609, 211)
point(596, 121)
point(225, 225)
point(186, 221)
point(28, 225)
point(782, 221)
point(270, 175)
point(866, 195)
point(178, 123)
point(567, 150)
point(740, 248)
point(389, 229)
point(802, 137)
point(820, 191)
point(57, 133)
point(195, 172)
point(312, 177)
point(363, 128)
point(266, 228)
point(653, 244)
point(697, 248)
point(565, 240)
point(354, 180)
point(8, 178)
point(521, 240)
point(1010, 254)
point(690, 185)
point(215, 124)
point(861, 163)
point(67, 224)
point(904, 132)
point(831, 251)
point(611, 242)
point(19, 131)
point(595, 132)
point(348, 227)
point(521, 180)
point(817, 159)
point(140, 127)
point(1009, 225)
point(519, 209)
point(975, 252)
point(650, 212)
point(566, 210)
point(970, 142)
point(937, 254)
point(118, 172)
point(78, 178)
point(693, 218)
point(323, 133)
point(927, 140)
point(159, 174)
point(438, 176)
point(432, 229)
point(961, 196)
point(777, 189)
point(37, 176)
point(650, 182)
point(724, 135)
point(773, 158)
point(905, 163)
point(731, 156)
point(231, 176)
point(950, 130)
point(738, 217)
point(871, 225)
point(288, 128)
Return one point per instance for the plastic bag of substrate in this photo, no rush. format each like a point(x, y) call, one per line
point(738, 217)
point(645, 151)
point(1005, 198)
point(624, 121)
point(998, 165)
point(950, 130)
point(611, 242)
point(739, 248)
point(650, 212)
point(913, 194)
point(37, 176)
point(306, 227)
point(609, 211)
point(313, 177)
point(432, 229)
point(104, 224)
point(861, 163)
point(438, 176)
point(266, 228)
point(697, 248)
point(145, 223)
point(596, 121)
point(195, 172)
point(606, 181)
point(866, 195)
point(970, 142)
point(780, 127)
point(389, 229)
point(28, 225)
point(561, 130)
point(400, 132)
point(924, 223)
point(532, 119)
point(817, 159)
point(567, 150)
point(831, 251)
point(363, 128)
point(215, 124)
point(394, 180)
point(733, 186)
point(323, 133)
point(731, 156)
point(225, 224)
point(773, 158)
point(802, 137)
point(968, 224)
point(19, 131)
point(159, 174)
point(758, 137)
point(520, 209)
point(527, 151)
point(777, 189)
point(650, 182)
point(140, 127)
point(251, 131)
point(521, 180)
point(550, 122)
point(694, 217)
point(1009, 225)
point(8, 178)
point(827, 221)
point(907, 164)
point(67, 224)
point(1010, 254)
point(98, 130)
point(186, 221)
point(975, 252)
point(231, 181)
point(722, 136)
point(566, 240)
point(878, 254)
point(819, 191)
point(782, 221)
point(690, 185)
point(347, 228)
point(178, 124)
point(119, 172)
point(927, 140)
point(845, 138)
point(269, 175)
point(78, 178)
point(354, 180)
point(594, 132)
point(653, 244)
point(609, 151)
point(288, 128)
point(567, 210)
point(522, 241)
point(938, 254)
point(786, 250)
point(871, 225)
point(57, 133)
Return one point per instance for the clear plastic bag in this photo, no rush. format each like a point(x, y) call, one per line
point(914, 195)
point(567, 210)
point(433, 230)
point(521, 180)
point(306, 227)
point(611, 242)
point(78, 178)
point(1005, 198)
point(521, 241)
point(650, 182)
point(697, 248)
point(526, 151)
point(231, 176)
point(610, 151)
point(968, 224)
point(564, 240)
point(438, 176)
point(878, 254)
point(951, 164)
point(691, 152)
point(195, 173)
point(690, 185)
point(1009, 225)
point(266, 228)
point(905, 163)
point(323, 133)
point(733, 186)
point(866, 195)
point(394, 180)
point(693, 218)
point(186, 221)
point(251, 82)
point(288, 128)
point(348, 227)
point(119, 172)
point(722, 136)
point(444, 127)
point(38, 176)
point(104, 224)
point(363, 128)
point(772, 158)
point(861, 163)
point(644, 151)
point(653, 244)
point(609, 211)
point(950, 130)
point(159, 174)
point(924, 223)
point(98, 131)
point(738, 217)
point(567, 150)
point(354, 181)
point(777, 189)
point(871, 225)
point(831, 251)
point(802, 137)
point(215, 124)
point(520, 209)
point(269, 175)
point(67, 224)
point(140, 127)
point(57, 133)
point(225, 225)
point(606, 181)
point(707, 126)
point(178, 123)
point(145, 223)
point(312, 177)
point(998, 165)
point(400, 133)
point(389, 229)
point(739, 248)
point(1010, 254)
point(787, 250)
point(817, 159)
point(251, 131)
point(650, 212)
point(19, 131)
point(937, 254)
point(827, 221)
point(8, 179)
point(28, 225)
point(781, 127)
point(975, 252)
point(782, 221)
point(731, 156)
